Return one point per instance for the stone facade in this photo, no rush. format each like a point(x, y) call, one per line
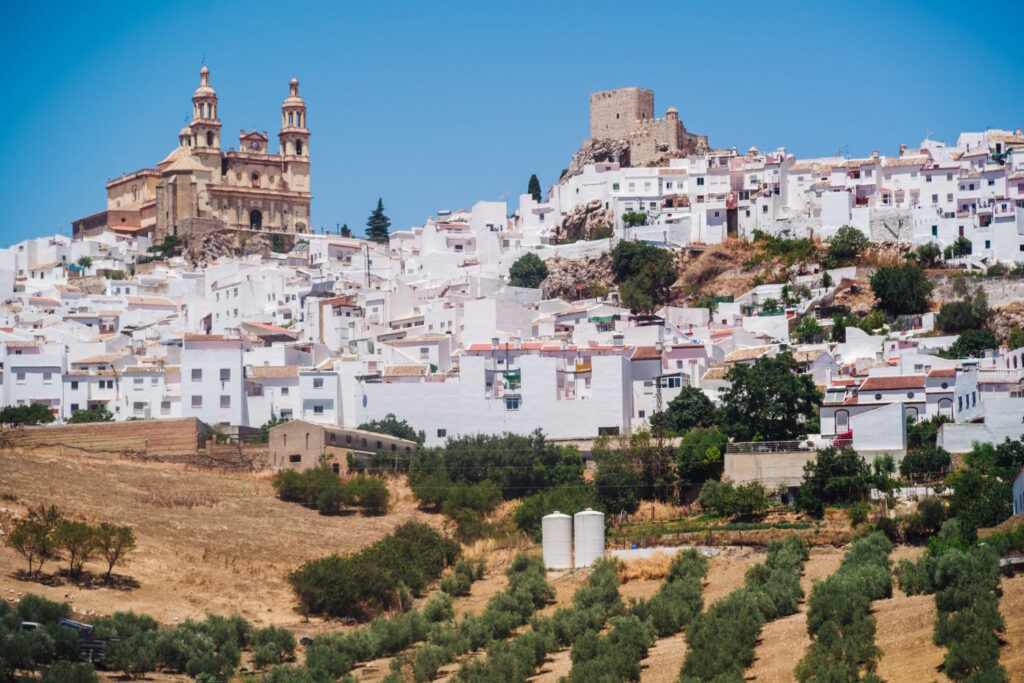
point(628, 114)
point(247, 188)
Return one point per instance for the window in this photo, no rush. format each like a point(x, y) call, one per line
point(209, 139)
point(671, 382)
point(379, 445)
point(511, 403)
point(197, 401)
point(348, 438)
point(641, 413)
point(225, 401)
point(294, 458)
point(138, 381)
point(928, 178)
point(74, 407)
point(318, 410)
point(988, 244)
point(20, 376)
point(47, 378)
point(318, 382)
point(286, 414)
point(878, 397)
point(225, 374)
point(165, 407)
point(615, 187)
point(138, 408)
point(442, 433)
point(945, 385)
point(74, 385)
point(298, 148)
point(935, 231)
point(910, 394)
point(700, 181)
point(336, 468)
point(197, 375)
point(284, 391)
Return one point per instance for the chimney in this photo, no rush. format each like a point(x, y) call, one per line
point(874, 154)
point(903, 149)
point(1018, 132)
point(617, 340)
point(828, 377)
point(494, 343)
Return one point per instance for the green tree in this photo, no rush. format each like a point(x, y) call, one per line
point(527, 271)
point(973, 344)
point(1015, 340)
point(768, 400)
point(34, 414)
point(701, 456)
point(957, 316)
point(533, 188)
point(85, 262)
point(689, 409)
point(644, 273)
point(78, 540)
point(902, 289)
point(847, 245)
point(392, 426)
point(833, 476)
point(113, 544)
point(928, 254)
point(617, 480)
point(377, 224)
point(961, 247)
point(93, 414)
point(345, 231)
point(808, 330)
point(634, 218)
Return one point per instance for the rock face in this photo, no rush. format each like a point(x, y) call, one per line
point(202, 248)
point(580, 224)
point(596, 151)
point(567, 278)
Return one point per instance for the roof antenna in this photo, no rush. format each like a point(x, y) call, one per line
point(204, 57)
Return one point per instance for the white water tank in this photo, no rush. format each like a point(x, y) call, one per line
point(556, 539)
point(588, 527)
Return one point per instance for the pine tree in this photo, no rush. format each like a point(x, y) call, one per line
point(533, 188)
point(377, 224)
point(345, 231)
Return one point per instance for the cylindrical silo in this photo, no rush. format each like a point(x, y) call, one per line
point(588, 528)
point(556, 539)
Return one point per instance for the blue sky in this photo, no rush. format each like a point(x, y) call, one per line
point(437, 105)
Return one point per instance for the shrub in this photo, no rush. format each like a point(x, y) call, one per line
point(838, 617)
point(612, 657)
point(273, 645)
point(847, 245)
point(956, 316)
point(858, 513)
point(902, 289)
point(394, 427)
point(727, 500)
point(527, 271)
point(34, 414)
point(372, 579)
point(973, 344)
point(466, 571)
point(679, 598)
point(94, 414)
point(832, 477)
point(568, 499)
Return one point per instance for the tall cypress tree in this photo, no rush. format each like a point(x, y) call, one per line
point(345, 231)
point(533, 188)
point(377, 224)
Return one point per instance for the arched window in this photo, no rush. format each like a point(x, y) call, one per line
point(255, 179)
point(946, 407)
point(912, 412)
point(209, 138)
point(255, 219)
point(298, 151)
point(842, 421)
point(291, 118)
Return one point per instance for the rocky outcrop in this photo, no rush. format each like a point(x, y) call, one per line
point(584, 219)
point(203, 247)
point(596, 151)
point(569, 278)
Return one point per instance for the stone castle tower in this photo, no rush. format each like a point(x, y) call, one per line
point(627, 114)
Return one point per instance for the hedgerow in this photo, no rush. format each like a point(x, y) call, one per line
point(839, 617)
point(527, 591)
point(965, 582)
point(376, 577)
point(678, 599)
point(514, 661)
point(721, 641)
point(321, 489)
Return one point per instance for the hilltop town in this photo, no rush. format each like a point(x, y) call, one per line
point(761, 385)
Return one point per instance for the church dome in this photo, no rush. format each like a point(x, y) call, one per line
point(185, 132)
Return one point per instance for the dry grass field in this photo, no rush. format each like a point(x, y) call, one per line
point(220, 542)
point(207, 541)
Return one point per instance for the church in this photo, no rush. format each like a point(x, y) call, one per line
point(198, 185)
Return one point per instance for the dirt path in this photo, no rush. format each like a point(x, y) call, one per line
point(1011, 606)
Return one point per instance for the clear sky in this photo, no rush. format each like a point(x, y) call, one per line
point(438, 105)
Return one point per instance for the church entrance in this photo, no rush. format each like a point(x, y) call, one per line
point(255, 219)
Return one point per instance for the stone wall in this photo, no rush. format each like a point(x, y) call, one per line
point(177, 438)
point(892, 226)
